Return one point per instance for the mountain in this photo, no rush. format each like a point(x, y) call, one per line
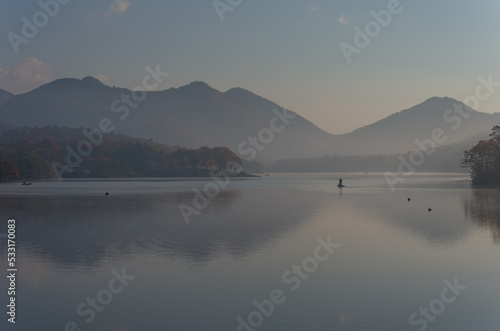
point(67, 101)
point(441, 159)
point(5, 96)
point(92, 80)
point(191, 116)
point(198, 115)
point(397, 133)
point(4, 127)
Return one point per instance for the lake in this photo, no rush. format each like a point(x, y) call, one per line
point(283, 252)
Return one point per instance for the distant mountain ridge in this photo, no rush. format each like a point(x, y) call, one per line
point(399, 129)
point(197, 115)
point(5, 96)
point(191, 116)
point(441, 159)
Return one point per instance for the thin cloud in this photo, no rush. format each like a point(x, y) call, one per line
point(119, 6)
point(314, 8)
point(115, 8)
point(343, 20)
point(30, 74)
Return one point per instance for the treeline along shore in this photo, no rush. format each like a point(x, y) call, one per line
point(32, 153)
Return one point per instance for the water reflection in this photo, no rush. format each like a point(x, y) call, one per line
point(443, 226)
point(82, 231)
point(483, 208)
point(203, 275)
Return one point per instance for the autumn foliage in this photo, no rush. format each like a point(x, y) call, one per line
point(28, 153)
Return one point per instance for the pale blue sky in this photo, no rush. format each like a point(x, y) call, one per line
point(285, 50)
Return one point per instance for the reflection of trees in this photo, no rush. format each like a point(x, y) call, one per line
point(83, 230)
point(483, 208)
point(75, 231)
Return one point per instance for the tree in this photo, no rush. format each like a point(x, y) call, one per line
point(483, 160)
point(8, 170)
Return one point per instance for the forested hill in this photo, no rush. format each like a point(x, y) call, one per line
point(39, 153)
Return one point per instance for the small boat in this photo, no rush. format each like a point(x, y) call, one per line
point(24, 183)
point(340, 185)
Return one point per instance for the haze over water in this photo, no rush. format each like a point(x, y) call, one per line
point(393, 258)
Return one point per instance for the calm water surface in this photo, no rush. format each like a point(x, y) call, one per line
point(394, 256)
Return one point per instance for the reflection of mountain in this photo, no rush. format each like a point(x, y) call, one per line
point(116, 225)
point(483, 208)
point(441, 227)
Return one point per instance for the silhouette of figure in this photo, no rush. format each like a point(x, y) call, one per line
point(340, 185)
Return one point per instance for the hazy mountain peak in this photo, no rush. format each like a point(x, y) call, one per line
point(4, 92)
point(437, 99)
point(197, 84)
point(60, 82)
point(441, 102)
point(74, 83)
point(435, 106)
point(197, 88)
point(92, 80)
point(240, 92)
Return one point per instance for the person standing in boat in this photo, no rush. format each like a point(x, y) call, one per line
point(340, 185)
